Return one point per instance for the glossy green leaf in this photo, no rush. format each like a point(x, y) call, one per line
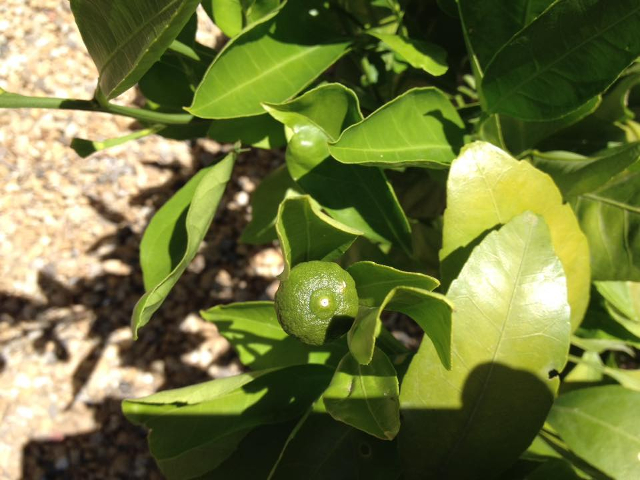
point(253, 330)
point(487, 187)
point(305, 233)
point(265, 201)
point(374, 281)
point(125, 38)
point(174, 234)
point(260, 131)
point(511, 334)
point(610, 217)
point(575, 174)
point(420, 127)
point(330, 107)
point(193, 430)
point(601, 426)
point(360, 197)
point(591, 368)
point(556, 64)
point(490, 24)
point(519, 135)
point(337, 452)
point(270, 62)
point(366, 396)
point(419, 54)
point(431, 311)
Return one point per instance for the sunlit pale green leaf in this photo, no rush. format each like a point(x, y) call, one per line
point(420, 127)
point(366, 396)
point(487, 187)
point(510, 339)
point(228, 15)
point(556, 64)
point(253, 330)
point(270, 62)
point(125, 38)
point(174, 234)
point(419, 54)
point(601, 426)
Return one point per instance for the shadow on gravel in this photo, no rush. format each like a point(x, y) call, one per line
point(117, 449)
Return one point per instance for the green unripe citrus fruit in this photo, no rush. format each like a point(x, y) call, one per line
point(317, 302)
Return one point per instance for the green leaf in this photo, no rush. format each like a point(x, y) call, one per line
point(487, 187)
point(608, 414)
point(420, 127)
point(366, 396)
point(511, 335)
point(174, 234)
point(270, 62)
point(265, 201)
point(431, 311)
point(374, 281)
point(360, 197)
point(591, 368)
point(419, 54)
point(338, 452)
point(575, 174)
point(260, 131)
point(555, 64)
point(610, 218)
point(331, 107)
point(193, 430)
point(305, 233)
point(490, 24)
point(623, 296)
point(519, 135)
point(125, 38)
point(228, 15)
point(253, 330)
point(555, 469)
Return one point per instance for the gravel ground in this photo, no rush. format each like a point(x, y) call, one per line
point(69, 235)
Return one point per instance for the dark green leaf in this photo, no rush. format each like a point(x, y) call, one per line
point(420, 127)
point(330, 107)
point(270, 62)
point(125, 38)
point(511, 334)
point(253, 330)
point(366, 396)
point(566, 56)
point(260, 131)
point(322, 449)
point(305, 233)
point(601, 426)
point(575, 174)
point(265, 201)
point(193, 430)
point(487, 187)
point(174, 234)
point(490, 24)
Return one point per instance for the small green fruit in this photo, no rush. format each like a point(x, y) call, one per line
point(317, 302)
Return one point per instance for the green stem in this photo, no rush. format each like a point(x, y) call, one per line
point(84, 147)
point(13, 100)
